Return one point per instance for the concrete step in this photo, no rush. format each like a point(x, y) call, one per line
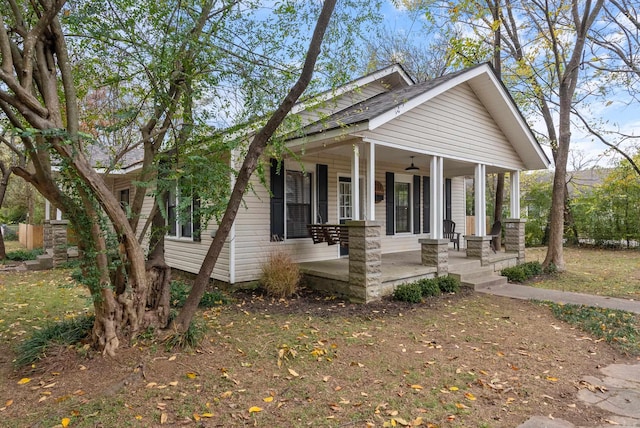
point(492, 281)
point(45, 260)
point(33, 265)
point(464, 266)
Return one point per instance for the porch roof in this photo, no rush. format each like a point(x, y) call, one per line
point(381, 109)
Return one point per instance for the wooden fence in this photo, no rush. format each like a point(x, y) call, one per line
point(31, 236)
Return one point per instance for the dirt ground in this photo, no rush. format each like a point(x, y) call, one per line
point(457, 360)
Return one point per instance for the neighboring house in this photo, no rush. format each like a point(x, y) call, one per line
point(382, 149)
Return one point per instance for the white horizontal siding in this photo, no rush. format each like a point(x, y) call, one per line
point(454, 124)
point(458, 207)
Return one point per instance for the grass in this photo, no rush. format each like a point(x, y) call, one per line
point(458, 360)
point(613, 273)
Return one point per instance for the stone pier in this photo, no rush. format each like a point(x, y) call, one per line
point(59, 241)
point(479, 247)
point(514, 236)
point(365, 260)
point(435, 252)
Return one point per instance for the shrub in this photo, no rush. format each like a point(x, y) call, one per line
point(514, 273)
point(551, 269)
point(429, 287)
point(213, 298)
point(67, 332)
point(280, 275)
point(449, 284)
point(411, 293)
point(178, 293)
point(532, 268)
point(23, 255)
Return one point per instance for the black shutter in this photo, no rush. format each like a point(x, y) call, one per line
point(426, 204)
point(390, 183)
point(277, 200)
point(416, 204)
point(195, 214)
point(447, 198)
point(323, 193)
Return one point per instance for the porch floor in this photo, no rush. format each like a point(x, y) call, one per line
point(398, 267)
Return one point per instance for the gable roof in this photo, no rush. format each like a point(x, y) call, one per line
point(380, 109)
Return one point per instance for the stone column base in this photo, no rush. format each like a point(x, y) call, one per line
point(514, 236)
point(365, 260)
point(479, 247)
point(435, 252)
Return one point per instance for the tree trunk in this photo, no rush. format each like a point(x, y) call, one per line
point(256, 148)
point(6, 173)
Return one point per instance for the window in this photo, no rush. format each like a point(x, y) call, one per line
point(180, 215)
point(298, 203)
point(124, 198)
point(402, 207)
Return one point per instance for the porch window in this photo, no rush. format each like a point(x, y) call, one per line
point(298, 203)
point(403, 205)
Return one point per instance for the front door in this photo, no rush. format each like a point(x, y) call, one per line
point(345, 205)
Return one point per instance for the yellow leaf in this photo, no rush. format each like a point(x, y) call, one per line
point(470, 396)
point(453, 388)
point(191, 375)
point(139, 417)
point(163, 418)
point(255, 409)
point(226, 394)
point(552, 379)
point(207, 415)
point(171, 358)
point(24, 380)
point(267, 399)
point(8, 403)
point(196, 417)
point(461, 406)
point(293, 373)
point(416, 386)
point(65, 422)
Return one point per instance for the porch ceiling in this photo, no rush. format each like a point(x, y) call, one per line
point(390, 155)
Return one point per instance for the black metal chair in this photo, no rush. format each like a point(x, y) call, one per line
point(449, 231)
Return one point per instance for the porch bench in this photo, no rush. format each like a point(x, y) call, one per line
point(332, 234)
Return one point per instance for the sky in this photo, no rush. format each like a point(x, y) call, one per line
point(618, 113)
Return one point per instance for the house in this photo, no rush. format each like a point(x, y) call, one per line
point(380, 166)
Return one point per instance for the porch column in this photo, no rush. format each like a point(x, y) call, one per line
point(515, 194)
point(478, 247)
point(435, 252)
point(514, 236)
point(58, 215)
point(355, 181)
point(371, 182)
point(480, 200)
point(437, 197)
point(59, 241)
point(47, 209)
point(365, 260)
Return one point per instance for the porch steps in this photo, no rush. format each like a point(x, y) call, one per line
point(471, 274)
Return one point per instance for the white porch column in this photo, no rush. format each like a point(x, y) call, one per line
point(515, 194)
point(481, 199)
point(58, 215)
point(437, 197)
point(47, 210)
point(355, 182)
point(371, 182)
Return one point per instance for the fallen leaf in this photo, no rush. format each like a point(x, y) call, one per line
point(552, 379)
point(255, 409)
point(416, 387)
point(8, 403)
point(196, 417)
point(163, 418)
point(461, 406)
point(24, 380)
point(191, 375)
point(171, 358)
point(470, 396)
point(293, 373)
point(226, 394)
point(207, 415)
point(268, 399)
point(453, 388)
point(65, 422)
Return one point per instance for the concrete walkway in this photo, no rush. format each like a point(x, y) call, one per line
point(615, 389)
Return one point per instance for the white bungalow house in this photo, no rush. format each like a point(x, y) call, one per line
point(387, 161)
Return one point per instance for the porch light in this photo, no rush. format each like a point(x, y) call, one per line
point(412, 167)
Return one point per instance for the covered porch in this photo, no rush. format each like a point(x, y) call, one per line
point(332, 276)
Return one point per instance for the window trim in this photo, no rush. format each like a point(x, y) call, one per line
point(177, 225)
